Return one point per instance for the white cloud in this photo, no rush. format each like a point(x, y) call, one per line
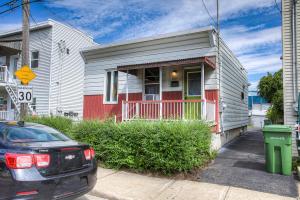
point(139, 18)
point(257, 63)
point(243, 39)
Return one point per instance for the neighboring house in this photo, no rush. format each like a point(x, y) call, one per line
point(55, 58)
point(258, 108)
point(291, 59)
point(172, 77)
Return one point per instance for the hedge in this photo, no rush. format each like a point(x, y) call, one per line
point(165, 147)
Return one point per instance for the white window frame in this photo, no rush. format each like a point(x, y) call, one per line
point(111, 87)
point(144, 85)
point(187, 83)
point(31, 59)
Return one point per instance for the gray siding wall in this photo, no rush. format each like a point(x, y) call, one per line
point(40, 40)
point(289, 111)
point(67, 71)
point(164, 49)
point(233, 81)
point(290, 116)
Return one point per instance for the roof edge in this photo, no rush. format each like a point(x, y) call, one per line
point(145, 39)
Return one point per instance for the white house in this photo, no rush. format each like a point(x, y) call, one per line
point(55, 58)
point(173, 76)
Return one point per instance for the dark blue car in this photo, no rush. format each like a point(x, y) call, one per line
point(38, 162)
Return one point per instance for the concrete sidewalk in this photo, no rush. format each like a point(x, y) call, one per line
point(120, 185)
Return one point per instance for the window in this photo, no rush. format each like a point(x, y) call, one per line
point(34, 59)
point(33, 105)
point(152, 83)
point(194, 83)
point(111, 94)
point(34, 133)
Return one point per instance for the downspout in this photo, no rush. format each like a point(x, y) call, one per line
point(294, 51)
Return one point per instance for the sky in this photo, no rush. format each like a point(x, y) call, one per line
point(251, 28)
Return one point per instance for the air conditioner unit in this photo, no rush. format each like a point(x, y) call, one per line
point(151, 97)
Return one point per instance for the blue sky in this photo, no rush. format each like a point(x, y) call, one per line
point(251, 28)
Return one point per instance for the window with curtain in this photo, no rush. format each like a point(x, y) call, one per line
point(111, 87)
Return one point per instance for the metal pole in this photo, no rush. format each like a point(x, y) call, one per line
point(25, 47)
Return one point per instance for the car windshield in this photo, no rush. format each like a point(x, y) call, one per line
point(35, 133)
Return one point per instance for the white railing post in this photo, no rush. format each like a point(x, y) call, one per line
point(204, 104)
point(137, 110)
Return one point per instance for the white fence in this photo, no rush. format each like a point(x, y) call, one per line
point(7, 115)
point(169, 110)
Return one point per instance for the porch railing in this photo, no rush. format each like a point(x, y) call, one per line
point(7, 115)
point(169, 110)
point(6, 76)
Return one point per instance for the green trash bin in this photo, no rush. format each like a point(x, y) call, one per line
point(278, 149)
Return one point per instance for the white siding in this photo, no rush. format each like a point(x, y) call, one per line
point(67, 71)
point(290, 116)
point(163, 49)
point(233, 78)
point(289, 111)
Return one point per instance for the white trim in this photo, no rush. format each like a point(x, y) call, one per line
point(30, 58)
point(187, 83)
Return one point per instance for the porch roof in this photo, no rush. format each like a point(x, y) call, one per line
point(8, 51)
point(208, 61)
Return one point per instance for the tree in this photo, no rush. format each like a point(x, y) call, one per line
point(270, 87)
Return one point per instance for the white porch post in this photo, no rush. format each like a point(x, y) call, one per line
point(203, 91)
point(160, 93)
point(126, 104)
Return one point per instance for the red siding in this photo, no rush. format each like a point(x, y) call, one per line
point(213, 95)
point(94, 108)
point(176, 95)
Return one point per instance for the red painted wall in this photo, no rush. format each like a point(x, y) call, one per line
point(94, 108)
point(213, 95)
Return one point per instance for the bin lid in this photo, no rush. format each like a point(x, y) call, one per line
point(277, 128)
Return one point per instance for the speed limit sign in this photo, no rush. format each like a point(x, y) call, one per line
point(24, 94)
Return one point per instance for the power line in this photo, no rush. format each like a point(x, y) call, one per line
point(36, 25)
point(8, 3)
point(17, 6)
point(208, 12)
point(277, 6)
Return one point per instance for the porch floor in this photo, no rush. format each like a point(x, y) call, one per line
point(241, 164)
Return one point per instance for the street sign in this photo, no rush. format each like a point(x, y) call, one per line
point(25, 74)
point(24, 94)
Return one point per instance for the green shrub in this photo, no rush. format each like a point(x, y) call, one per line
point(166, 147)
point(62, 124)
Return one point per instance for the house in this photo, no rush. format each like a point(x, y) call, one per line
point(171, 77)
point(55, 58)
point(258, 108)
point(290, 58)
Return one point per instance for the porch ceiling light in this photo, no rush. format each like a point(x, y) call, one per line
point(174, 74)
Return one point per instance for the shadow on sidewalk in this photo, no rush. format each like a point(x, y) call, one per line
point(242, 164)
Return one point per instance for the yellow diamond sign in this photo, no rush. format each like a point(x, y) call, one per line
point(25, 74)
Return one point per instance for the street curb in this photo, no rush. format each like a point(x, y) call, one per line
point(107, 195)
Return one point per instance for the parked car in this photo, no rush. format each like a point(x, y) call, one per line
point(39, 162)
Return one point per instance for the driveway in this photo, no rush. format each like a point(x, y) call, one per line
point(241, 164)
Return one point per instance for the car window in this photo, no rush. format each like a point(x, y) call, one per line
point(34, 134)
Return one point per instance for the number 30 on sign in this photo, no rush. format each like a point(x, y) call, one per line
point(24, 94)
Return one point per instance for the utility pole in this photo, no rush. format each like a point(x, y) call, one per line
point(25, 47)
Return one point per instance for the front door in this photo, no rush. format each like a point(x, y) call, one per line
point(192, 91)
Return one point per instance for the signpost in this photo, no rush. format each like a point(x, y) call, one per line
point(25, 75)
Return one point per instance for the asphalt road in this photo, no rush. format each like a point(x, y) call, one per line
point(242, 164)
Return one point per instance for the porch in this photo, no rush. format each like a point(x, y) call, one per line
point(172, 90)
